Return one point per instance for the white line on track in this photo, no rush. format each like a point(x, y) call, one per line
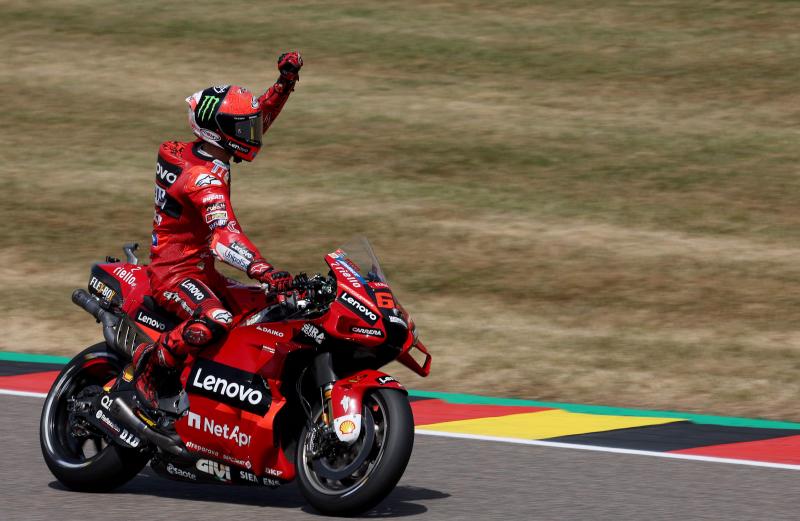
point(553, 444)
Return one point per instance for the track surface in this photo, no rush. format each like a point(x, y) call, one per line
point(446, 479)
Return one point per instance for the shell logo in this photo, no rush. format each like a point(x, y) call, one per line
point(347, 427)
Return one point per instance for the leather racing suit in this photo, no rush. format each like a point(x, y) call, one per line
point(194, 222)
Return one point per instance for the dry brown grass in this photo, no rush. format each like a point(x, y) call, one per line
point(579, 203)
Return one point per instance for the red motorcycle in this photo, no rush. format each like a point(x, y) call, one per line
point(293, 391)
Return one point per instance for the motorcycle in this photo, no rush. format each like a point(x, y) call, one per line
point(292, 392)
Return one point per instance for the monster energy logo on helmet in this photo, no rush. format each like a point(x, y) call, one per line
point(206, 108)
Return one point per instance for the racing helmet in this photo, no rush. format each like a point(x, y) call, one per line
point(227, 116)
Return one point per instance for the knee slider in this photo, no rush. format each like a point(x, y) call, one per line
point(207, 327)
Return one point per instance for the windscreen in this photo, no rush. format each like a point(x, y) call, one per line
point(358, 255)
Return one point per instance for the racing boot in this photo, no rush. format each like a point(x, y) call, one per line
point(147, 360)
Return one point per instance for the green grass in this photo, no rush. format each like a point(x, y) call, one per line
point(580, 202)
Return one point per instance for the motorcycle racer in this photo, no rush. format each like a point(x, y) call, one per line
point(194, 221)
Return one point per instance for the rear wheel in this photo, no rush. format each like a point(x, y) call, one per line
point(340, 479)
point(79, 456)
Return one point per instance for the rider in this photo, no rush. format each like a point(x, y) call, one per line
point(194, 221)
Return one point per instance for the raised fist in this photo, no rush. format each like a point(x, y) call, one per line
point(289, 65)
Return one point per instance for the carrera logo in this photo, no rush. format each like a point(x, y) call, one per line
point(197, 295)
point(229, 385)
point(358, 308)
point(368, 331)
point(347, 274)
point(147, 320)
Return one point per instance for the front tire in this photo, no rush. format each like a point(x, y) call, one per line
point(88, 463)
point(388, 453)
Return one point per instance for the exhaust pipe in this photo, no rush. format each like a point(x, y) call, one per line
point(92, 306)
point(174, 446)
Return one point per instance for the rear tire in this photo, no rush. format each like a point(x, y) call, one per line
point(389, 455)
point(109, 465)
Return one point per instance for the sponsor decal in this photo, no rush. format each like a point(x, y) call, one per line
point(346, 403)
point(222, 316)
point(214, 207)
point(207, 180)
point(154, 238)
point(347, 427)
point(195, 292)
point(219, 89)
point(345, 271)
point(126, 276)
point(268, 349)
point(313, 333)
point(237, 388)
point(233, 227)
point(171, 295)
point(166, 173)
point(367, 331)
point(105, 401)
point(143, 318)
point(383, 380)
point(217, 216)
point(398, 320)
point(129, 438)
point(237, 461)
point(207, 134)
point(167, 203)
point(273, 472)
point(205, 111)
point(219, 430)
point(199, 448)
point(236, 146)
point(108, 421)
point(213, 197)
point(231, 257)
point(358, 308)
point(101, 289)
point(177, 471)
point(219, 470)
point(249, 477)
point(242, 250)
point(273, 332)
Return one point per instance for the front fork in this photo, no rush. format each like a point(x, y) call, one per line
point(325, 377)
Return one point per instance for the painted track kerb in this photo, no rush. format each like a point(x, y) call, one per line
point(552, 444)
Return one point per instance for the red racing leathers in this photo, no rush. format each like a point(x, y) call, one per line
point(194, 222)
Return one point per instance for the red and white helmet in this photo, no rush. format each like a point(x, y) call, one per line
point(227, 116)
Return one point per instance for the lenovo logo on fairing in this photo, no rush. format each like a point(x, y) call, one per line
point(225, 388)
point(360, 309)
point(229, 385)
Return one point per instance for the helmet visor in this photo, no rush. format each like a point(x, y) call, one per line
point(247, 129)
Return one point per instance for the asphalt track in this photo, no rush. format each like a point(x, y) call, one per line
point(446, 479)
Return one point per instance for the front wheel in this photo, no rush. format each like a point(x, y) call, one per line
point(79, 456)
point(340, 479)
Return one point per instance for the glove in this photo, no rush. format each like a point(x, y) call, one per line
point(289, 64)
point(264, 272)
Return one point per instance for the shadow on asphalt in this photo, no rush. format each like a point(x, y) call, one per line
point(400, 503)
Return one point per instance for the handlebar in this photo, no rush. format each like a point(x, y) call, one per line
point(307, 293)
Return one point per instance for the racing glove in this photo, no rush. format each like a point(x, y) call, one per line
point(289, 65)
point(264, 272)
